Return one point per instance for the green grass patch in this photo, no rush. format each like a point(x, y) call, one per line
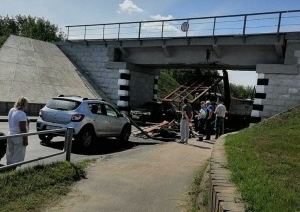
point(166, 84)
point(265, 163)
point(34, 188)
point(196, 199)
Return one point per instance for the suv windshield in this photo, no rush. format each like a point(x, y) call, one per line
point(62, 104)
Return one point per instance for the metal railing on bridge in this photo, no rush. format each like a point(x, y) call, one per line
point(242, 24)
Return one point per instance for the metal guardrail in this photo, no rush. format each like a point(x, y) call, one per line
point(242, 24)
point(67, 146)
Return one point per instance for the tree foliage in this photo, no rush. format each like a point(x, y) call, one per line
point(188, 76)
point(241, 92)
point(32, 27)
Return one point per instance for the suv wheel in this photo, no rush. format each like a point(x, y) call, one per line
point(45, 137)
point(125, 134)
point(86, 137)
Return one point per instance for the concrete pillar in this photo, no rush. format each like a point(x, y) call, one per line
point(155, 88)
point(277, 90)
point(123, 92)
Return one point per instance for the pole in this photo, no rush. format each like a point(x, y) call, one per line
point(68, 143)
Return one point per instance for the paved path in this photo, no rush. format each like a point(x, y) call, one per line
point(152, 178)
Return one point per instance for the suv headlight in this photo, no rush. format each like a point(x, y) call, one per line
point(147, 113)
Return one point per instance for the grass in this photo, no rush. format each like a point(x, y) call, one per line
point(166, 84)
point(34, 188)
point(196, 199)
point(265, 163)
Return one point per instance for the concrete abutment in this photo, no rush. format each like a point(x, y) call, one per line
point(125, 85)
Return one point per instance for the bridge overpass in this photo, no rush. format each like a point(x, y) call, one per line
point(267, 43)
point(122, 61)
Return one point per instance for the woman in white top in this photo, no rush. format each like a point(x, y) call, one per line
point(18, 123)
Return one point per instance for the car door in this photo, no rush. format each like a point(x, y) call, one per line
point(115, 122)
point(101, 121)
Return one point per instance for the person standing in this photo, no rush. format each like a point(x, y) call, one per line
point(208, 122)
point(18, 123)
point(186, 120)
point(220, 115)
point(201, 117)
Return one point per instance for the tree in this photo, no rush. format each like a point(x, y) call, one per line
point(32, 27)
point(183, 76)
point(240, 91)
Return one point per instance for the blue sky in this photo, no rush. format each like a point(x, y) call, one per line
point(74, 12)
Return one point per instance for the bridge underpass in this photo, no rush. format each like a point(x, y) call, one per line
point(125, 70)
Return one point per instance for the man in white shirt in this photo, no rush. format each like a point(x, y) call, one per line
point(220, 115)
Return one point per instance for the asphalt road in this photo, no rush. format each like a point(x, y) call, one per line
point(151, 178)
point(100, 148)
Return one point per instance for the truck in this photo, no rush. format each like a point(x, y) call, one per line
point(214, 89)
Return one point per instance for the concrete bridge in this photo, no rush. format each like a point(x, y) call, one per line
point(122, 60)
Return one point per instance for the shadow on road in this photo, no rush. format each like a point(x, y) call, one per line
point(98, 147)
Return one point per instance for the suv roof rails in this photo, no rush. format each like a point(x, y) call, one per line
point(62, 95)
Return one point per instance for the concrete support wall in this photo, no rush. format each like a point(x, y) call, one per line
point(93, 59)
point(143, 87)
point(125, 85)
point(278, 89)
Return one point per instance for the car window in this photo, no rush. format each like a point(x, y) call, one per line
point(153, 106)
point(95, 109)
point(62, 104)
point(111, 111)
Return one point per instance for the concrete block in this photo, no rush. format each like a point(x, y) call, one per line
point(116, 65)
point(230, 206)
point(293, 90)
point(281, 89)
point(277, 69)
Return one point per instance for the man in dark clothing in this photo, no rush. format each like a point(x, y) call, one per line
point(201, 118)
point(209, 119)
point(186, 120)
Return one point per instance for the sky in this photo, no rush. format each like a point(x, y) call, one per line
point(75, 12)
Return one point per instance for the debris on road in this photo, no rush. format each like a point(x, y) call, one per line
point(164, 131)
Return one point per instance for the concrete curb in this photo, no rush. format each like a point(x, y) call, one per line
point(224, 195)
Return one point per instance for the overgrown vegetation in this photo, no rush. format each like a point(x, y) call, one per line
point(34, 188)
point(166, 84)
point(196, 199)
point(264, 160)
point(31, 27)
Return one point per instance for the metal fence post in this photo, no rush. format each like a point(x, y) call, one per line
point(68, 143)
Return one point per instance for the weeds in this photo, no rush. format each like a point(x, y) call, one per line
point(33, 188)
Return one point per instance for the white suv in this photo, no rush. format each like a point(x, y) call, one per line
point(89, 118)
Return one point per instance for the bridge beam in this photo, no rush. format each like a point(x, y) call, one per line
point(166, 51)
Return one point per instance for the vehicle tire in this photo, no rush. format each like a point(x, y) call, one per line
point(86, 137)
point(126, 131)
point(45, 137)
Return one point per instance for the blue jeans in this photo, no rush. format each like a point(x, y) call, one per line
point(219, 126)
